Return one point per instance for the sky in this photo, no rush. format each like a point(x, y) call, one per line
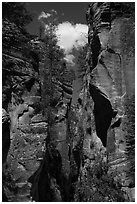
point(67, 11)
point(72, 29)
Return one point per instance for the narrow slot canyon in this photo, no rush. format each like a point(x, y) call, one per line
point(68, 102)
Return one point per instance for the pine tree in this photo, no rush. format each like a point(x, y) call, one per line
point(55, 67)
point(81, 62)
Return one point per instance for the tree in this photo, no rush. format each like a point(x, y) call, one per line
point(52, 57)
point(81, 62)
point(55, 67)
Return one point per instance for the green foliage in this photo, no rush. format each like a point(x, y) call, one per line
point(98, 185)
point(52, 57)
point(55, 68)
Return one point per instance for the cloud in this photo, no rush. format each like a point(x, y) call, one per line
point(44, 15)
point(70, 35)
point(51, 13)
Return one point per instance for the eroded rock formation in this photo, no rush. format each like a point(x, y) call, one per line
point(108, 69)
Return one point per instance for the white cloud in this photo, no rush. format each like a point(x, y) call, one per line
point(70, 35)
point(51, 13)
point(44, 15)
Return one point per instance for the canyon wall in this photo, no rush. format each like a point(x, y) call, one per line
point(110, 73)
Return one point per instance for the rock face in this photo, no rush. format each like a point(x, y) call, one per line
point(105, 78)
point(110, 69)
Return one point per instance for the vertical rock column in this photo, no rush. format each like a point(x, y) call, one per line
point(92, 146)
